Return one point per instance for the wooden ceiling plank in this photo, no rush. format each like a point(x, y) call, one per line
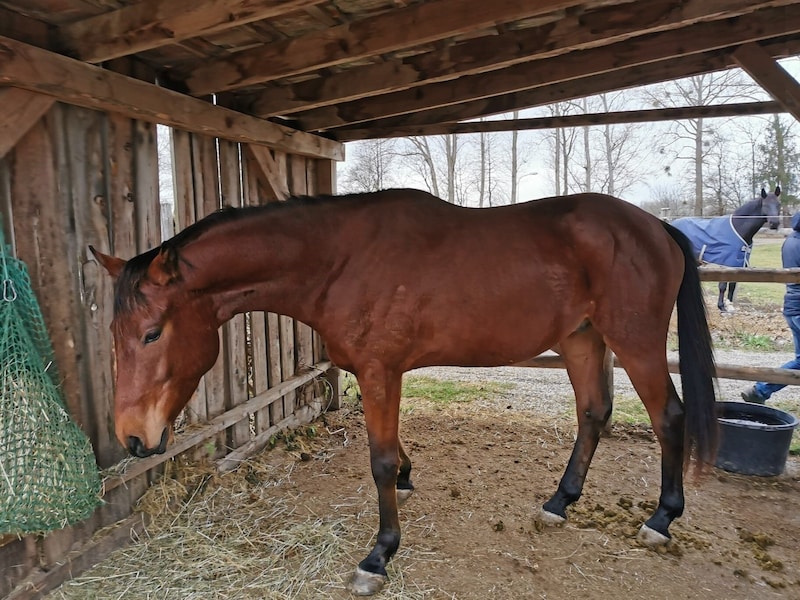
point(652, 48)
point(609, 118)
point(86, 85)
point(386, 32)
point(21, 111)
point(606, 25)
point(770, 75)
point(695, 64)
point(24, 29)
point(155, 23)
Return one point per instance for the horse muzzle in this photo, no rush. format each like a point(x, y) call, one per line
point(137, 448)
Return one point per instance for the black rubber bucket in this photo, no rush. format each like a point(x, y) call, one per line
point(754, 439)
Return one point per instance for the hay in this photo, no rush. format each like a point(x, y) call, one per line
point(48, 473)
point(244, 534)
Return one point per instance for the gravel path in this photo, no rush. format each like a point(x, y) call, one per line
point(548, 391)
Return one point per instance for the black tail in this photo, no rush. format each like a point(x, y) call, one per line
point(696, 362)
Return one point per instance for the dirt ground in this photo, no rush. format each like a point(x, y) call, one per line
point(481, 475)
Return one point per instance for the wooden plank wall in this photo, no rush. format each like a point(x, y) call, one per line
point(81, 177)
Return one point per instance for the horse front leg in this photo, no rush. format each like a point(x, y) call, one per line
point(380, 392)
point(404, 486)
point(583, 352)
point(721, 300)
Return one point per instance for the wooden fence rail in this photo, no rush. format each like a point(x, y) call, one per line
point(724, 371)
point(749, 275)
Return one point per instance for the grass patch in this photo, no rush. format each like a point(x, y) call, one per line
point(629, 410)
point(755, 342)
point(440, 392)
point(443, 392)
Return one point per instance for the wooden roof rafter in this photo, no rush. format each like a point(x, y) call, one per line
point(575, 32)
point(155, 23)
point(703, 37)
point(651, 73)
point(778, 83)
point(372, 36)
point(580, 120)
point(31, 68)
point(343, 68)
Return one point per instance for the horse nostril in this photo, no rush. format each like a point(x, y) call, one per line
point(135, 445)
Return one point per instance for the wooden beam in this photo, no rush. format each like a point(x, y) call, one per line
point(635, 76)
point(155, 23)
point(219, 423)
point(270, 170)
point(652, 48)
point(21, 111)
point(715, 273)
point(632, 77)
point(609, 118)
point(82, 558)
point(386, 32)
point(606, 25)
point(771, 76)
point(78, 83)
point(24, 29)
point(723, 371)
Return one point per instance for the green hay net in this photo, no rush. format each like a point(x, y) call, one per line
point(48, 474)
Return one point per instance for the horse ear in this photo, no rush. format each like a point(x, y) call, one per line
point(164, 267)
point(777, 190)
point(111, 264)
point(763, 193)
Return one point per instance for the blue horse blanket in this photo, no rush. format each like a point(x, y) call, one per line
point(715, 241)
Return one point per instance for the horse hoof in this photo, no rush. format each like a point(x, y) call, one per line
point(549, 519)
point(403, 495)
point(364, 583)
point(651, 538)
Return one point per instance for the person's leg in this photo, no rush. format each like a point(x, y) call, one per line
point(764, 390)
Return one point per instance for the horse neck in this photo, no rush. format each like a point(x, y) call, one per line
point(747, 220)
point(272, 261)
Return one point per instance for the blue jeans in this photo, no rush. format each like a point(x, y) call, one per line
point(765, 390)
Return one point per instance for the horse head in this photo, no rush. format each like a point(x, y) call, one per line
point(771, 206)
point(166, 336)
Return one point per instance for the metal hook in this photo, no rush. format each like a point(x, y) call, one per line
point(9, 291)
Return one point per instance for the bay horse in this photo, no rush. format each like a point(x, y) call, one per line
point(728, 240)
point(399, 279)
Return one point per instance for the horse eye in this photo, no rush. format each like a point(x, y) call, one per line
point(152, 336)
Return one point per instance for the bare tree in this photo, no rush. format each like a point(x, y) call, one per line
point(587, 152)
point(439, 161)
point(623, 161)
point(668, 202)
point(689, 139)
point(514, 160)
point(561, 142)
point(371, 168)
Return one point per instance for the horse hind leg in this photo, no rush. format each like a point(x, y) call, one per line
point(584, 353)
point(731, 293)
point(649, 375)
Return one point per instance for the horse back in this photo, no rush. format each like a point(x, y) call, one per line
point(427, 282)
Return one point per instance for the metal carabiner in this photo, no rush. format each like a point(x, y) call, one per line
point(9, 291)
